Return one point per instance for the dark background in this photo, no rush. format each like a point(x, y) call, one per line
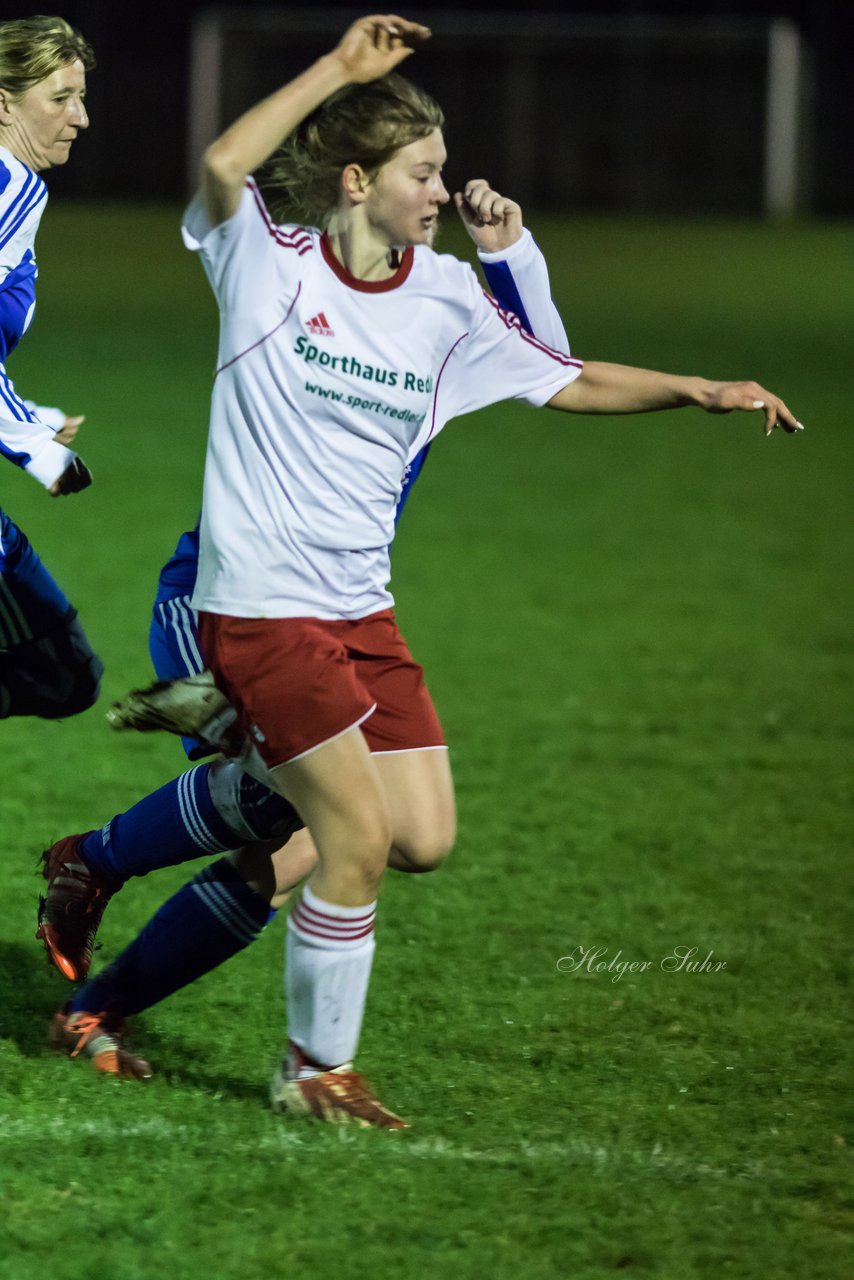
point(137, 148)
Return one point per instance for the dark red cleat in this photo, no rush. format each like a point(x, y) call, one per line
point(71, 910)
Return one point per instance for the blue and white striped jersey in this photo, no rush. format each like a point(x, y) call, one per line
point(25, 437)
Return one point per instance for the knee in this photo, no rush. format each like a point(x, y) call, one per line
point(357, 864)
point(369, 850)
point(425, 848)
point(247, 806)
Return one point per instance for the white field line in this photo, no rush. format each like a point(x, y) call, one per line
point(575, 1152)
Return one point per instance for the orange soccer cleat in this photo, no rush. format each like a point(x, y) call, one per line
point(338, 1096)
point(71, 909)
point(98, 1036)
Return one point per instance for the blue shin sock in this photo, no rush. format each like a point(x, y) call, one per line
point(210, 809)
point(174, 824)
point(206, 922)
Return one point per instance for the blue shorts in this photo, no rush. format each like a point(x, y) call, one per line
point(31, 603)
point(173, 642)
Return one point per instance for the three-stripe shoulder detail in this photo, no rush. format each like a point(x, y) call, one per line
point(25, 200)
point(298, 239)
point(513, 322)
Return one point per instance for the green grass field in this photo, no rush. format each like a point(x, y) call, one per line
point(638, 635)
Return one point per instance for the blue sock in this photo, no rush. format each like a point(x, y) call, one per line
point(209, 920)
point(174, 824)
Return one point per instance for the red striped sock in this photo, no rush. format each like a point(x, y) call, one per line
point(330, 950)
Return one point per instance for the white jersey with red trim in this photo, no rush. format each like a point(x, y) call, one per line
point(326, 387)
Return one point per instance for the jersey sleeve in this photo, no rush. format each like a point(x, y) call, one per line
point(497, 359)
point(50, 415)
point(31, 445)
point(26, 440)
point(519, 279)
point(241, 255)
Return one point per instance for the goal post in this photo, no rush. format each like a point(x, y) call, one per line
point(583, 113)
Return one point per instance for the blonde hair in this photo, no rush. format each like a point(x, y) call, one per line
point(363, 124)
point(31, 49)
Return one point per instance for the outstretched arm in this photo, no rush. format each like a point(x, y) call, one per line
point(370, 48)
point(617, 388)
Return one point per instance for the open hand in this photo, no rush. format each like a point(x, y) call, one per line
point(375, 45)
point(723, 397)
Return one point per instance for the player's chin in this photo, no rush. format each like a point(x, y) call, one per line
point(429, 229)
point(59, 154)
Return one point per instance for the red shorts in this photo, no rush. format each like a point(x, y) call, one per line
point(298, 682)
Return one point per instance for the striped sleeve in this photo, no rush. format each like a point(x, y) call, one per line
point(519, 280)
point(497, 359)
point(242, 255)
point(27, 442)
point(23, 197)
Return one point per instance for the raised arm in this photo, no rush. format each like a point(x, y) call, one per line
point(514, 267)
point(370, 48)
point(618, 388)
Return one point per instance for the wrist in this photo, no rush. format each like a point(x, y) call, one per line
point(331, 68)
point(512, 250)
point(49, 463)
point(700, 392)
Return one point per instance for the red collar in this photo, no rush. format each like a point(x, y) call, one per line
point(367, 286)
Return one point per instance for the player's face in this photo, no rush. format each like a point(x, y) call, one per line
point(42, 124)
point(405, 196)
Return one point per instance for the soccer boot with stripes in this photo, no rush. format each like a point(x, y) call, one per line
point(338, 1096)
point(98, 1037)
point(191, 707)
point(72, 907)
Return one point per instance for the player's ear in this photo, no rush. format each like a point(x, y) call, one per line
point(6, 100)
point(354, 183)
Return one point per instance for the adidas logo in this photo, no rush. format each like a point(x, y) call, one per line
point(319, 326)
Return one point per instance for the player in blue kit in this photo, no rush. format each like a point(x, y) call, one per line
point(47, 666)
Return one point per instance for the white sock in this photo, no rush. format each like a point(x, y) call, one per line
point(329, 952)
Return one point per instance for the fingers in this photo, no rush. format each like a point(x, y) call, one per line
point(390, 32)
point(406, 30)
point(775, 412)
point(68, 430)
point(374, 46)
point(488, 208)
point(464, 210)
point(726, 396)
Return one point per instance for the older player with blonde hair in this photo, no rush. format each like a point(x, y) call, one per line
point(47, 667)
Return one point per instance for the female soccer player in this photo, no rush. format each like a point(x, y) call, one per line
point(215, 806)
point(47, 667)
point(342, 353)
